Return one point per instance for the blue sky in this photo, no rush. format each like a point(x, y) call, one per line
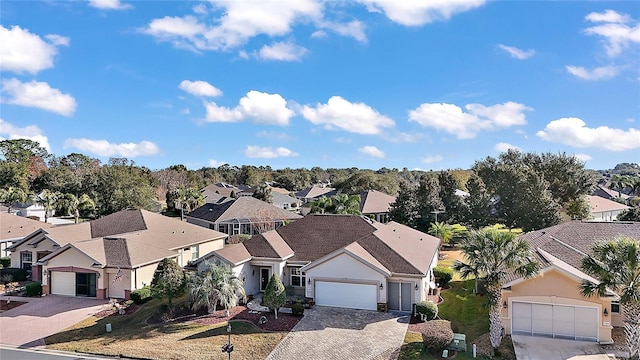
point(423, 84)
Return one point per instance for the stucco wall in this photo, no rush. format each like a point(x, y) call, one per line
point(198, 222)
point(118, 285)
point(209, 246)
point(555, 287)
point(344, 268)
point(44, 245)
point(143, 275)
point(76, 259)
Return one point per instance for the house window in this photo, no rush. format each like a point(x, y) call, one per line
point(298, 278)
point(615, 307)
point(195, 252)
point(26, 259)
point(236, 229)
point(285, 206)
point(223, 228)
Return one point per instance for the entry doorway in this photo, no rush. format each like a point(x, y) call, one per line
point(265, 275)
point(399, 296)
point(86, 284)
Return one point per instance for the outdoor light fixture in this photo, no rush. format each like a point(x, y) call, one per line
point(308, 281)
point(416, 287)
point(505, 305)
point(605, 312)
point(381, 287)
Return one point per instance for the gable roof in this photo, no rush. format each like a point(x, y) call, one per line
point(374, 202)
point(315, 191)
point(605, 192)
point(393, 246)
point(599, 204)
point(16, 227)
point(244, 207)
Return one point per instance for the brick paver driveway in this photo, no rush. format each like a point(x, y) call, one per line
point(335, 333)
point(26, 325)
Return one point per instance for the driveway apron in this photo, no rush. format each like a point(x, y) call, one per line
point(28, 324)
point(336, 333)
point(542, 348)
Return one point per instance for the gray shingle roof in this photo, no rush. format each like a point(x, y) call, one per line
point(244, 207)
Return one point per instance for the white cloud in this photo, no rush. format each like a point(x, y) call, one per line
point(282, 51)
point(575, 133)
point(239, 22)
point(109, 5)
point(319, 34)
point(261, 108)
point(268, 152)
point(31, 132)
point(401, 137)
point(216, 163)
point(431, 159)
point(517, 53)
point(618, 31)
point(274, 135)
point(199, 88)
point(599, 73)
point(583, 157)
point(504, 147)
point(466, 125)
point(354, 29)
point(39, 95)
point(23, 51)
point(105, 148)
point(420, 12)
point(371, 151)
point(339, 113)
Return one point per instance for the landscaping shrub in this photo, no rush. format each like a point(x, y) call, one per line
point(289, 290)
point(437, 334)
point(17, 273)
point(33, 289)
point(297, 308)
point(141, 295)
point(427, 308)
point(5, 262)
point(443, 275)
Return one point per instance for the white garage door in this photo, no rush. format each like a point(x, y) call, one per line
point(346, 295)
point(63, 283)
point(559, 321)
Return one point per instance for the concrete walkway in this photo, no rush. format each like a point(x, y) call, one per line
point(26, 325)
point(541, 348)
point(327, 333)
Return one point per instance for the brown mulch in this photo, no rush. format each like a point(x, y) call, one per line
point(4, 305)
point(619, 340)
point(128, 309)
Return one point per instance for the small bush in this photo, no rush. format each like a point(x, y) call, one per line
point(33, 289)
point(297, 309)
point(443, 275)
point(5, 262)
point(17, 273)
point(141, 295)
point(437, 334)
point(427, 308)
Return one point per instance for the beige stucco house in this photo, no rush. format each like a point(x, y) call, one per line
point(603, 209)
point(111, 256)
point(13, 228)
point(376, 205)
point(339, 260)
point(551, 304)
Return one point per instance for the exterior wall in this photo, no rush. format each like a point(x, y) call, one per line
point(417, 295)
point(44, 245)
point(210, 246)
point(142, 276)
point(118, 287)
point(605, 215)
point(76, 261)
point(251, 277)
point(198, 222)
point(344, 268)
point(554, 287)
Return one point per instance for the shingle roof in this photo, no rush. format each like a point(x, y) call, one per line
point(374, 202)
point(244, 207)
point(600, 204)
point(315, 191)
point(16, 227)
point(121, 222)
point(607, 193)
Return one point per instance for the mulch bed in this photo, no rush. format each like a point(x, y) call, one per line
point(130, 309)
point(4, 306)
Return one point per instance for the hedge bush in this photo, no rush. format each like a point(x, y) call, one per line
point(429, 309)
point(5, 262)
point(443, 275)
point(33, 289)
point(17, 273)
point(141, 295)
point(437, 334)
point(297, 308)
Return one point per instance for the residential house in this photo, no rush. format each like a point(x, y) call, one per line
point(13, 228)
point(315, 192)
point(603, 209)
point(339, 260)
point(111, 256)
point(243, 215)
point(214, 192)
point(376, 205)
point(605, 192)
point(280, 198)
point(551, 304)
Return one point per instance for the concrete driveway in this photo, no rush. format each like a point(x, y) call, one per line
point(541, 348)
point(336, 333)
point(28, 324)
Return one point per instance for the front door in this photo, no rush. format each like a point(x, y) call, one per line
point(265, 274)
point(399, 296)
point(86, 284)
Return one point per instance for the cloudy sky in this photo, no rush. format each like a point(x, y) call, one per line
point(428, 84)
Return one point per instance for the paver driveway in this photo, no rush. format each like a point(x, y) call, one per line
point(28, 324)
point(335, 333)
point(542, 348)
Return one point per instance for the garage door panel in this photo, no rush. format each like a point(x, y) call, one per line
point(542, 319)
point(560, 321)
point(564, 321)
point(521, 317)
point(347, 295)
point(585, 318)
point(63, 283)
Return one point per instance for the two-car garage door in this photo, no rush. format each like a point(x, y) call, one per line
point(347, 295)
point(558, 321)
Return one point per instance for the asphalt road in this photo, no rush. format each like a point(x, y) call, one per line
point(7, 353)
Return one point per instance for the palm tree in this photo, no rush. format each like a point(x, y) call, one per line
point(442, 231)
point(48, 200)
point(616, 264)
point(494, 255)
point(13, 195)
point(321, 205)
point(187, 197)
point(346, 204)
point(217, 284)
point(74, 205)
point(620, 182)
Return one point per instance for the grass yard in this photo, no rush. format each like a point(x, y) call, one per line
point(132, 337)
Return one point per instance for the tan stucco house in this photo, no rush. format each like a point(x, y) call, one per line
point(376, 205)
point(551, 304)
point(339, 260)
point(111, 256)
point(13, 228)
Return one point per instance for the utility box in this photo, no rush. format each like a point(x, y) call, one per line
point(459, 342)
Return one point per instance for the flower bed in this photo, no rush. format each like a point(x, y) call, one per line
point(285, 322)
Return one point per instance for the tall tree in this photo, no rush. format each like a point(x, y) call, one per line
point(478, 209)
point(274, 295)
point(23, 160)
point(428, 202)
point(405, 209)
point(263, 192)
point(345, 204)
point(168, 280)
point(453, 204)
point(49, 200)
point(73, 205)
point(122, 185)
point(616, 265)
point(12, 195)
point(493, 255)
point(578, 208)
point(321, 205)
